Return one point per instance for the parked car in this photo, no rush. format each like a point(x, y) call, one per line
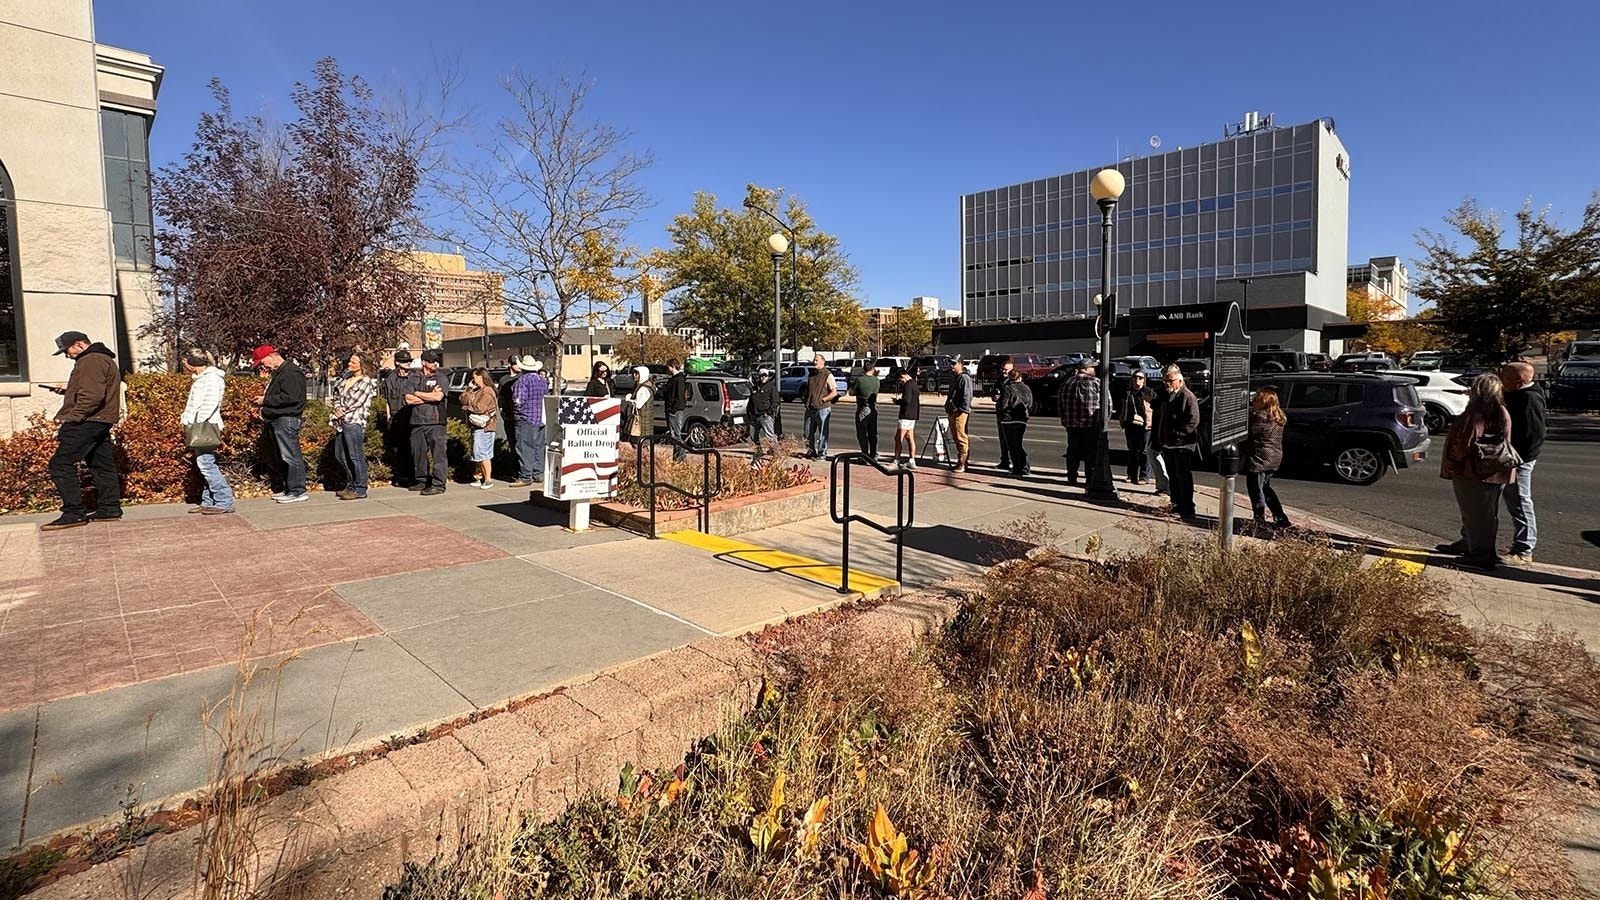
point(622, 380)
point(1577, 351)
point(792, 382)
point(888, 367)
point(1196, 374)
point(1370, 361)
point(715, 398)
point(1031, 365)
point(1443, 398)
point(1359, 425)
point(932, 373)
point(1577, 387)
point(1425, 361)
point(1288, 361)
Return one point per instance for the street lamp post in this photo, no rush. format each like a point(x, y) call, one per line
point(777, 244)
point(1106, 188)
point(794, 275)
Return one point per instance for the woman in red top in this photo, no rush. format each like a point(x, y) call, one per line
point(1477, 482)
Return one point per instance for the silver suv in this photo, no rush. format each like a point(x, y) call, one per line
point(715, 398)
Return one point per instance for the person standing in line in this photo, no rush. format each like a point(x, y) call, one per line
point(429, 454)
point(640, 407)
point(1079, 402)
point(1011, 406)
point(1137, 414)
point(1476, 463)
point(1158, 466)
point(1006, 368)
point(1263, 458)
point(865, 391)
point(763, 407)
point(599, 381)
point(1178, 437)
point(202, 431)
point(1525, 402)
point(905, 431)
point(397, 430)
point(821, 392)
point(91, 404)
point(478, 402)
point(675, 393)
point(282, 407)
point(958, 404)
point(348, 408)
point(508, 404)
point(527, 401)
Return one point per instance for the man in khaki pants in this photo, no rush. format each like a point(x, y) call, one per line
point(958, 403)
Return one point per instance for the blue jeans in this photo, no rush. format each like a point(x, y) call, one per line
point(286, 434)
point(214, 491)
point(1519, 502)
point(817, 431)
point(530, 452)
point(675, 422)
point(350, 448)
point(764, 429)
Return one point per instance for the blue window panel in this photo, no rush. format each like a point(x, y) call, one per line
point(1174, 209)
point(1303, 225)
point(1225, 235)
point(1173, 241)
point(1209, 204)
point(1139, 279)
point(1191, 207)
point(1191, 239)
point(1283, 228)
point(1225, 202)
point(1224, 271)
point(1208, 272)
point(1283, 189)
point(1171, 276)
point(1303, 185)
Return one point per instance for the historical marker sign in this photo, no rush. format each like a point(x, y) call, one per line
point(1230, 382)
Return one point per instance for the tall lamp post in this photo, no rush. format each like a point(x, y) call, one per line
point(794, 274)
point(777, 245)
point(1106, 189)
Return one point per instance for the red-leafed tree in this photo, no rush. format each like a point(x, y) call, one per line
point(288, 234)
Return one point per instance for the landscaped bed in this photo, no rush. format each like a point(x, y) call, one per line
point(1280, 722)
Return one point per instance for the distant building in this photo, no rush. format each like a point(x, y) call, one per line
point(466, 303)
point(1383, 279)
point(75, 212)
point(578, 352)
point(1267, 205)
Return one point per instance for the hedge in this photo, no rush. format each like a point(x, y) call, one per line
point(157, 468)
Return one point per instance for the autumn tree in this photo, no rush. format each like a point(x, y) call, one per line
point(908, 334)
point(720, 273)
point(287, 234)
point(547, 205)
point(650, 347)
point(1494, 300)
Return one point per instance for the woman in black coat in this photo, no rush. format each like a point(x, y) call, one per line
point(1011, 406)
point(1265, 456)
point(599, 381)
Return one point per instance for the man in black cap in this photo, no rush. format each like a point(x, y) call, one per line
point(397, 433)
point(92, 403)
point(426, 399)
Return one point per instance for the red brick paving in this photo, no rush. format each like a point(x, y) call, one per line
point(109, 605)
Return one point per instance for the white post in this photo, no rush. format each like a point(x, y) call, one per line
point(578, 517)
point(1225, 513)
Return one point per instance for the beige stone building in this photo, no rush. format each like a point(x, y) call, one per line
point(75, 215)
point(465, 302)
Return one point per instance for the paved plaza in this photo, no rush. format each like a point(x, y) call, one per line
point(410, 611)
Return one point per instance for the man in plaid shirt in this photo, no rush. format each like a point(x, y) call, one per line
point(1079, 402)
point(527, 395)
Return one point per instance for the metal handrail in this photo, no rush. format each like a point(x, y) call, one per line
point(647, 444)
point(905, 511)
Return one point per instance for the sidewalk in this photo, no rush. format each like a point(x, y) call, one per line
point(114, 637)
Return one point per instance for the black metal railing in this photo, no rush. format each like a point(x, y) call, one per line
point(905, 510)
point(1573, 393)
point(708, 489)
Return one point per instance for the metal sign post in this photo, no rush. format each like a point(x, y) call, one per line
point(1230, 411)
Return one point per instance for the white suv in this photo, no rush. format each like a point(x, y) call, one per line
point(1443, 398)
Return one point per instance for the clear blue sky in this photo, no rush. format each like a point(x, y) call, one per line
point(881, 114)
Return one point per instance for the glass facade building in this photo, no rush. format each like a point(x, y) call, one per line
point(1270, 202)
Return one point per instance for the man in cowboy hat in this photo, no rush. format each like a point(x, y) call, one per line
point(282, 406)
point(527, 397)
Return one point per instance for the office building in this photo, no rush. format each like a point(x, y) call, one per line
point(75, 212)
point(1383, 280)
point(465, 303)
point(1260, 216)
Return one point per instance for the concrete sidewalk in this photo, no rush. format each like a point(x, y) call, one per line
point(424, 609)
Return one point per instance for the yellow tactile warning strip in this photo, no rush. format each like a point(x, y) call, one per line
point(1409, 561)
point(779, 561)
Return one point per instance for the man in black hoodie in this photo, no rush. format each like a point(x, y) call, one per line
point(676, 395)
point(1526, 404)
point(281, 408)
point(92, 403)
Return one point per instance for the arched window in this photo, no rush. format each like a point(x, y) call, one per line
point(13, 361)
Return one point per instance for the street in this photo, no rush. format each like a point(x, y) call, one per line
point(1411, 506)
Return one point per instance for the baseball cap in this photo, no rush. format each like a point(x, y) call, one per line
point(432, 356)
point(402, 356)
point(262, 352)
point(67, 339)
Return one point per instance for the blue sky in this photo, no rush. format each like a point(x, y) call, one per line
point(881, 114)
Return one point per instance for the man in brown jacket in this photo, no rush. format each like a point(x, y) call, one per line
point(92, 403)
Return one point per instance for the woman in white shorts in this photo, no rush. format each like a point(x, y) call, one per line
point(905, 427)
point(478, 401)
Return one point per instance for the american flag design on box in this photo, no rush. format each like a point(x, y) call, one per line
point(588, 446)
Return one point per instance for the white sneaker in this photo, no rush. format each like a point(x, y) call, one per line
point(911, 464)
point(485, 485)
point(282, 496)
point(293, 498)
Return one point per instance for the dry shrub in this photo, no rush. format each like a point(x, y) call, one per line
point(1281, 722)
point(741, 477)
